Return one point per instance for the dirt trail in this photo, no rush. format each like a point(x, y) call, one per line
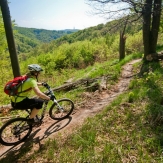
point(95, 102)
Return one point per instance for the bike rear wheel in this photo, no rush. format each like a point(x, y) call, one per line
point(62, 109)
point(15, 131)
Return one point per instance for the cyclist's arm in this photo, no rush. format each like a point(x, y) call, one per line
point(40, 94)
point(39, 84)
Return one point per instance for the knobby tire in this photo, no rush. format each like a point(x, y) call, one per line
point(15, 131)
point(57, 114)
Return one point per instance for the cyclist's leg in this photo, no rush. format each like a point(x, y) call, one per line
point(35, 106)
point(33, 113)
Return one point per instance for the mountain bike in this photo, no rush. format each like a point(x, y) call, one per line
point(18, 129)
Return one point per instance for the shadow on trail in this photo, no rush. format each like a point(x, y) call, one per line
point(55, 127)
point(12, 154)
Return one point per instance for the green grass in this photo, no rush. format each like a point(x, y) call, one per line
point(130, 129)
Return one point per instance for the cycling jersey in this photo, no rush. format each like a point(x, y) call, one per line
point(29, 83)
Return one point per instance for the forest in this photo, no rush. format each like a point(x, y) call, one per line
point(28, 38)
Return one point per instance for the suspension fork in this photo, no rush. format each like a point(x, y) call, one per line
point(59, 107)
point(44, 109)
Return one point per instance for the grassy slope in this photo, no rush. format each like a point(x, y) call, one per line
point(124, 132)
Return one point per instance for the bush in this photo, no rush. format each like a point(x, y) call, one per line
point(134, 43)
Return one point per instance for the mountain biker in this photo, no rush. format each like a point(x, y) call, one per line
point(23, 101)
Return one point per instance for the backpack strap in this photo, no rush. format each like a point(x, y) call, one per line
point(22, 91)
point(25, 90)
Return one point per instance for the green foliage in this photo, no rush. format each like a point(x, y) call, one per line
point(131, 97)
point(134, 43)
point(41, 34)
point(37, 36)
point(79, 54)
point(75, 55)
point(28, 38)
point(25, 44)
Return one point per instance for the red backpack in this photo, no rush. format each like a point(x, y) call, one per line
point(11, 87)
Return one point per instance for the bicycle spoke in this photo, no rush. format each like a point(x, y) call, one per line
point(61, 110)
point(15, 131)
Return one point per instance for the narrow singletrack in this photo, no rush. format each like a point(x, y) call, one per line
point(95, 102)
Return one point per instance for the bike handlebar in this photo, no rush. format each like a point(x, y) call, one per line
point(50, 91)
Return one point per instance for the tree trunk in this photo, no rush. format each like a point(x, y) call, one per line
point(151, 17)
point(10, 37)
point(146, 26)
point(122, 46)
point(155, 26)
point(122, 42)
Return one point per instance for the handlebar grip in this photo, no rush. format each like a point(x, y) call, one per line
point(46, 85)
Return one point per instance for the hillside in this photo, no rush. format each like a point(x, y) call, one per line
point(43, 35)
point(28, 38)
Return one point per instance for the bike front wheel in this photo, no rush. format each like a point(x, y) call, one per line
point(62, 109)
point(15, 131)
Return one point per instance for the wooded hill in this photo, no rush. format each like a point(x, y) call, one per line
point(28, 38)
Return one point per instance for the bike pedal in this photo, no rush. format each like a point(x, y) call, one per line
point(37, 124)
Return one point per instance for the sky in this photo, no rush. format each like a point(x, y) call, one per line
point(53, 14)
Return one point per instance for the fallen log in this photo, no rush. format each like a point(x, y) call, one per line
point(73, 85)
point(155, 56)
point(88, 83)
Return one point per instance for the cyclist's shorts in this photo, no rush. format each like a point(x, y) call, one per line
point(28, 104)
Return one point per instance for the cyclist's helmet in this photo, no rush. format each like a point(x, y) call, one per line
point(34, 68)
